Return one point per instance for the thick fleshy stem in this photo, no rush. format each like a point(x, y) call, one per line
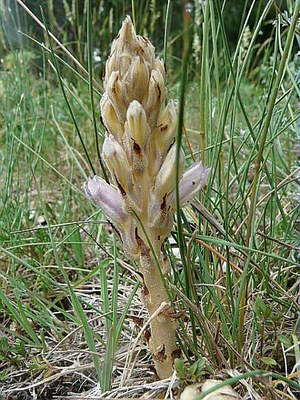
point(162, 335)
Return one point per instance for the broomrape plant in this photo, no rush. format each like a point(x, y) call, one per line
point(139, 151)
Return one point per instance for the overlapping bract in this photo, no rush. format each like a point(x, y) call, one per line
point(139, 148)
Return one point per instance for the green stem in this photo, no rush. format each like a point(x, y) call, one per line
point(133, 13)
point(203, 81)
point(167, 23)
point(186, 46)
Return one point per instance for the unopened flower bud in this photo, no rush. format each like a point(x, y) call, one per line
point(146, 50)
point(167, 126)
point(165, 180)
point(116, 93)
point(118, 63)
point(122, 48)
point(156, 95)
point(162, 137)
point(137, 79)
point(160, 66)
point(117, 163)
point(110, 118)
point(137, 123)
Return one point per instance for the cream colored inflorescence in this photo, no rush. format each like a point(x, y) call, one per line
point(140, 151)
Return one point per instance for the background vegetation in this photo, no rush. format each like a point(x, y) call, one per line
point(69, 308)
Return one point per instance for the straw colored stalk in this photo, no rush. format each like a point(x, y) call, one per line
point(139, 152)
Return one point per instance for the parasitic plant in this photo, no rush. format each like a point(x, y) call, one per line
point(139, 151)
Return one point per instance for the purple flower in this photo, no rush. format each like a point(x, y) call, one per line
point(189, 185)
point(108, 198)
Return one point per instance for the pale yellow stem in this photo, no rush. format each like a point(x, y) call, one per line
point(162, 342)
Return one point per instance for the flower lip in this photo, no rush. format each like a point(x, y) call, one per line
point(193, 180)
point(107, 197)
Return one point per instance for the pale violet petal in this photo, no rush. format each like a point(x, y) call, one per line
point(108, 198)
point(192, 181)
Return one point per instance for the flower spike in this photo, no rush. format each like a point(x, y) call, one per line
point(139, 151)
